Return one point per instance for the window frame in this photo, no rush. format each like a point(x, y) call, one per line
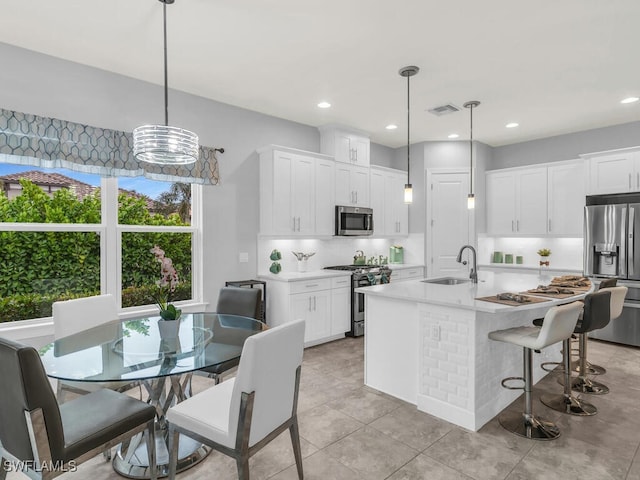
point(110, 232)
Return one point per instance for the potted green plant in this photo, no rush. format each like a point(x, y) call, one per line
point(166, 287)
point(544, 253)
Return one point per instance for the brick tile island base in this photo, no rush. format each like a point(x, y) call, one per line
point(427, 344)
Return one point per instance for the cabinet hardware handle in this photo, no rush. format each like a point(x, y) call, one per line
point(314, 303)
point(356, 197)
point(298, 223)
point(638, 180)
point(549, 225)
point(294, 223)
point(512, 226)
point(629, 181)
point(517, 225)
point(309, 285)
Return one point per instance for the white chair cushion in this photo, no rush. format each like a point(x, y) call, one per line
point(523, 336)
point(559, 323)
point(207, 413)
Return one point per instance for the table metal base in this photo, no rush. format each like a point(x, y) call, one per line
point(131, 458)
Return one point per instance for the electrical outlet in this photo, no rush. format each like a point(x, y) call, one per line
point(435, 332)
point(243, 257)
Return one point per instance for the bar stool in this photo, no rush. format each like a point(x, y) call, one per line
point(594, 304)
point(559, 323)
point(599, 317)
point(591, 368)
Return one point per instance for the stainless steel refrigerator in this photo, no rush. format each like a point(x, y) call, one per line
point(612, 249)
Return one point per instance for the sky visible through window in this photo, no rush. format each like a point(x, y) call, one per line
point(150, 188)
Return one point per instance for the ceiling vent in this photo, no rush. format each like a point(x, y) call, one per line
point(444, 109)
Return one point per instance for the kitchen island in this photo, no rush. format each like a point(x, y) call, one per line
point(428, 344)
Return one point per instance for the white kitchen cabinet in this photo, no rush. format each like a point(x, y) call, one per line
point(296, 192)
point(351, 185)
point(403, 274)
point(313, 307)
point(566, 198)
point(542, 200)
point(323, 303)
point(340, 305)
point(614, 172)
point(325, 197)
point(345, 145)
point(390, 213)
point(517, 201)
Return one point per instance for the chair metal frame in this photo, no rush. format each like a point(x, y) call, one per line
point(242, 452)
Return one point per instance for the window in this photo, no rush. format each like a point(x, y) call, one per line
point(67, 235)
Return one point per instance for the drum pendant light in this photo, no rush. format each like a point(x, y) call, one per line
point(164, 144)
point(471, 199)
point(408, 72)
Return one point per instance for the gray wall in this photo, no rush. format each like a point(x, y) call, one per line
point(566, 147)
point(34, 83)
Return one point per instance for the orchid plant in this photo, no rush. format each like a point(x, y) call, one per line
point(166, 286)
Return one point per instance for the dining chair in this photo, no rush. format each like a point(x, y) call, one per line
point(241, 415)
point(245, 302)
point(73, 316)
point(43, 439)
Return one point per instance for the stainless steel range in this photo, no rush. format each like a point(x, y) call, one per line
point(362, 276)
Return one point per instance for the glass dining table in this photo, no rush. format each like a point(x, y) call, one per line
point(137, 350)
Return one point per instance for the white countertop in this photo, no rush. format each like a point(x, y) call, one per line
point(302, 276)
point(464, 295)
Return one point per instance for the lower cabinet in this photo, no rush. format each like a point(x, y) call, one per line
point(402, 274)
point(324, 305)
point(314, 308)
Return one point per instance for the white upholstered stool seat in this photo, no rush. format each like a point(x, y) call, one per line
point(559, 323)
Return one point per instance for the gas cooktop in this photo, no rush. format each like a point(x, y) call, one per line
point(356, 267)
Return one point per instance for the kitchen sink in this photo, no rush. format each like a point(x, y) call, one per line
point(446, 281)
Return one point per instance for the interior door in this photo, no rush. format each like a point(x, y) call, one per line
point(449, 225)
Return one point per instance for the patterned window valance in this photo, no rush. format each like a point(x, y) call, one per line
point(52, 143)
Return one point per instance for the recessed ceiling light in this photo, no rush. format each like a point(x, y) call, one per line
point(324, 105)
point(512, 125)
point(454, 135)
point(391, 126)
point(630, 100)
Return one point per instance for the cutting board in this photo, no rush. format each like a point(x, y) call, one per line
point(556, 295)
point(511, 303)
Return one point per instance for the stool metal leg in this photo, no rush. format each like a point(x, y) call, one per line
point(566, 402)
point(527, 424)
point(583, 384)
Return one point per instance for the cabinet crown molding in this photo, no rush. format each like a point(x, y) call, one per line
point(606, 152)
point(280, 148)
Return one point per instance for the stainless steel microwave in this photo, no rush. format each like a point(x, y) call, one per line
point(354, 221)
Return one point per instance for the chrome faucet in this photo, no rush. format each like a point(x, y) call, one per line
point(473, 274)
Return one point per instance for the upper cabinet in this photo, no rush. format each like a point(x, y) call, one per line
point(351, 185)
point(540, 200)
point(517, 201)
point(296, 192)
point(390, 213)
point(345, 145)
point(614, 172)
point(566, 198)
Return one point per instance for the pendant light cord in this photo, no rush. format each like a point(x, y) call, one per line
point(166, 75)
point(471, 153)
point(408, 132)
